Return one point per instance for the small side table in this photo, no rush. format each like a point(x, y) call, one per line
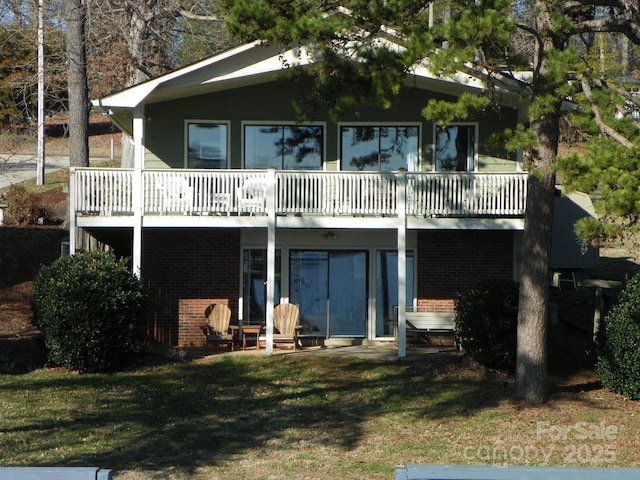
point(251, 330)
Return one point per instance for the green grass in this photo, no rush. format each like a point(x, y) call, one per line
point(286, 416)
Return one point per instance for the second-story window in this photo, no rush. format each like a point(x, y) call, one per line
point(206, 144)
point(285, 147)
point(455, 148)
point(376, 148)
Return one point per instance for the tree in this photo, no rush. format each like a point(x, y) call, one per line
point(473, 36)
point(76, 12)
point(18, 64)
point(608, 122)
point(156, 33)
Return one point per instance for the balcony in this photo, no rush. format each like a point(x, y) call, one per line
point(115, 193)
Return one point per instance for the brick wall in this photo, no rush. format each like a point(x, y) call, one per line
point(191, 319)
point(184, 270)
point(451, 261)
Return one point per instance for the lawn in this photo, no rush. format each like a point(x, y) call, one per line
point(236, 416)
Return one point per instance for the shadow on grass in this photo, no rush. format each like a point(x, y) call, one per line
point(190, 415)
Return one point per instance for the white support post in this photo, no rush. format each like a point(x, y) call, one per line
point(271, 255)
point(402, 263)
point(72, 211)
point(138, 189)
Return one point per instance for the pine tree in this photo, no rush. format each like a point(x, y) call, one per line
point(491, 39)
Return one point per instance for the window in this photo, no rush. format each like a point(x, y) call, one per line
point(207, 145)
point(254, 285)
point(455, 148)
point(379, 148)
point(285, 147)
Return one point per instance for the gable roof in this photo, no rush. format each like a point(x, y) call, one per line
point(255, 63)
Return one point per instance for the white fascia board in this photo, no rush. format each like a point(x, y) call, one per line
point(421, 77)
point(255, 63)
point(134, 96)
point(273, 64)
point(257, 66)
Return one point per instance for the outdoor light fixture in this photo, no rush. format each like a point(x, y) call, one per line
point(329, 235)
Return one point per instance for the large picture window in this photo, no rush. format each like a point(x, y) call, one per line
point(374, 148)
point(455, 148)
point(207, 145)
point(285, 147)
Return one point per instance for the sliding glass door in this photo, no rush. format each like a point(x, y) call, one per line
point(387, 289)
point(331, 289)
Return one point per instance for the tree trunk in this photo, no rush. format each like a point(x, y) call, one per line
point(533, 310)
point(138, 25)
point(77, 81)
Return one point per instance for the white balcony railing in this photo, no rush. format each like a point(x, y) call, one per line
point(238, 192)
point(102, 191)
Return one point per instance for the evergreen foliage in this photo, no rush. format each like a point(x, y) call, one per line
point(610, 169)
point(486, 323)
point(490, 41)
point(91, 311)
point(619, 354)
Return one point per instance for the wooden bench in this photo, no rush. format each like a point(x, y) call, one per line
point(54, 473)
point(486, 472)
point(422, 324)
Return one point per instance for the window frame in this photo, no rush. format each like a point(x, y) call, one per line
point(474, 160)
point(284, 124)
point(196, 121)
point(409, 168)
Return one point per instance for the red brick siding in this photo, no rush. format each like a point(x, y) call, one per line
point(450, 261)
point(191, 319)
point(184, 270)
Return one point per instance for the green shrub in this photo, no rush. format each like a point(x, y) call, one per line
point(619, 340)
point(21, 205)
point(91, 311)
point(486, 323)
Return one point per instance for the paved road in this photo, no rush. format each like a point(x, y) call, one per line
point(18, 168)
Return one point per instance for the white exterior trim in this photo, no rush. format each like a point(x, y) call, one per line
point(192, 121)
point(418, 124)
point(284, 123)
point(476, 143)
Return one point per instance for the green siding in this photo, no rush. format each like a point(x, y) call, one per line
point(164, 128)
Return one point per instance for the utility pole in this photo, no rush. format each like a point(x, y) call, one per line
point(41, 106)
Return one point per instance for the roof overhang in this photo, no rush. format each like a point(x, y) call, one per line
point(256, 63)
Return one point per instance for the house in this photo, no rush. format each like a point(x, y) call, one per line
point(357, 221)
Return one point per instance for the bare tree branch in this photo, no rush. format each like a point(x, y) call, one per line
point(195, 16)
point(597, 116)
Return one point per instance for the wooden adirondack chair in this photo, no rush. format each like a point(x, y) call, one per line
point(285, 321)
point(217, 329)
